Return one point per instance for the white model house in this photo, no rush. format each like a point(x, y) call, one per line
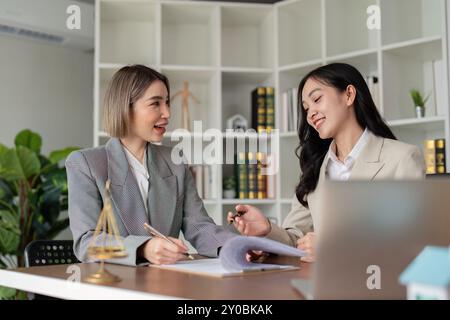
point(428, 276)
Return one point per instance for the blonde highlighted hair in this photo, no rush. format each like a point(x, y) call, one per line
point(125, 88)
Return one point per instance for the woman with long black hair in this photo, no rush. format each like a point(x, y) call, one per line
point(342, 136)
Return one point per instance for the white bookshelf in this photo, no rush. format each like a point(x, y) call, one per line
point(225, 50)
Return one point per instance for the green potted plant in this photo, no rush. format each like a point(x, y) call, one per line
point(419, 102)
point(229, 187)
point(33, 192)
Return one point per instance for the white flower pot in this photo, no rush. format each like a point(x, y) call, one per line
point(420, 112)
point(229, 194)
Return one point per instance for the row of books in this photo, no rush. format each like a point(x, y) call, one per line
point(435, 156)
point(289, 111)
point(251, 182)
point(263, 109)
point(205, 177)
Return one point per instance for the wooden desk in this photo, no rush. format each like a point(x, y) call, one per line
point(154, 283)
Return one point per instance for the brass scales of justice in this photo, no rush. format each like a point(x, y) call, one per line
point(106, 243)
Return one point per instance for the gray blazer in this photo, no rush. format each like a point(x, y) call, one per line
point(173, 201)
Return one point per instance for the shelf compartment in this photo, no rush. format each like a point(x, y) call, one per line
point(405, 67)
point(247, 36)
point(189, 34)
point(346, 26)
point(304, 20)
point(236, 92)
point(128, 32)
point(403, 20)
point(203, 84)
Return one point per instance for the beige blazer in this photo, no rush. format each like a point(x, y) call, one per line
point(380, 159)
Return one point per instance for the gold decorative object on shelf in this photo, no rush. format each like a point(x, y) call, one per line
point(185, 95)
point(105, 243)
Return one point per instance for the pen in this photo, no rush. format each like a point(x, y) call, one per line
point(158, 234)
point(238, 214)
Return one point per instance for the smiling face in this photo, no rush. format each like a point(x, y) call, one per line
point(326, 108)
point(150, 113)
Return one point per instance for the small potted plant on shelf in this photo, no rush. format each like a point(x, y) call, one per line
point(419, 102)
point(229, 187)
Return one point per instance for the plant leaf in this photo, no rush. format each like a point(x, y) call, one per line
point(18, 163)
point(7, 293)
point(9, 233)
point(30, 140)
point(58, 155)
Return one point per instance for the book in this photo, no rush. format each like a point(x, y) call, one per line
point(270, 109)
point(434, 152)
point(232, 259)
point(252, 170)
point(241, 176)
point(290, 112)
point(440, 156)
point(430, 156)
point(259, 109)
point(260, 177)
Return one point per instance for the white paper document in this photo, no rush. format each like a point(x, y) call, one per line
point(232, 259)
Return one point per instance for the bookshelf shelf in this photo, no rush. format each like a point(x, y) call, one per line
point(417, 49)
point(423, 124)
point(194, 69)
point(248, 201)
point(302, 65)
point(290, 134)
point(286, 201)
point(111, 65)
point(361, 54)
point(225, 50)
point(246, 70)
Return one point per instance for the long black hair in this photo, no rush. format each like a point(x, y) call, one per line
point(312, 149)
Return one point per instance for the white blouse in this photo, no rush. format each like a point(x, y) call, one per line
point(338, 170)
point(140, 172)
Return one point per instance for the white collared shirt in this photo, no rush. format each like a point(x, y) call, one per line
point(338, 170)
point(140, 172)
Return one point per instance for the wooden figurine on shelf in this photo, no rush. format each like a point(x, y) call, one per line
point(185, 94)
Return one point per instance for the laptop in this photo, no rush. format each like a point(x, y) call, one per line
point(369, 232)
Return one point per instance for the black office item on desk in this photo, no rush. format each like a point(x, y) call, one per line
point(48, 252)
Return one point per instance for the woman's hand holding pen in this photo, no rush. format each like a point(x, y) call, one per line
point(160, 251)
point(249, 221)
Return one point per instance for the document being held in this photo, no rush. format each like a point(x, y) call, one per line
point(232, 259)
point(233, 254)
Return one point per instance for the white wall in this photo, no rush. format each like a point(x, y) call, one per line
point(48, 89)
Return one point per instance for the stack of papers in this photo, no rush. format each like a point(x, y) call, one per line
point(232, 259)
